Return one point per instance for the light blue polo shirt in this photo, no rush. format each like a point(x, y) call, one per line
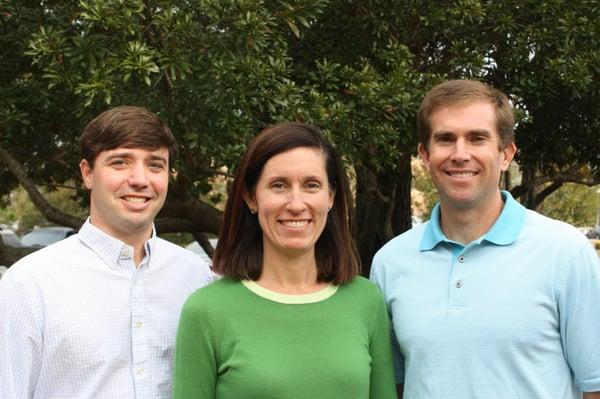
point(514, 314)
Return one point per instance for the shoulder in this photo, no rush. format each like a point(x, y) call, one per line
point(407, 241)
point(180, 257)
point(551, 232)
point(362, 291)
point(52, 258)
point(216, 299)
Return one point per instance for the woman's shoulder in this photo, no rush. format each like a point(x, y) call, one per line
point(362, 289)
point(214, 295)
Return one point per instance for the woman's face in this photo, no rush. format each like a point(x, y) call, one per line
point(292, 198)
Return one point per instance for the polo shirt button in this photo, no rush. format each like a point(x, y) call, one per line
point(458, 284)
point(461, 258)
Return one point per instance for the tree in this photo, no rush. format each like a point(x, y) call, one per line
point(218, 71)
point(573, 203)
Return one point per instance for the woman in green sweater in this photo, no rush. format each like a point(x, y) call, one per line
point(290, 318)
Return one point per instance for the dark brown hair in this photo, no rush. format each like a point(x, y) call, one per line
point(464, 92)
point(126, 127)
point(239, 252)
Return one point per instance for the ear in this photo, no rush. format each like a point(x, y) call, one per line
point(331, 198)
point(508, 153)
point(250, 201)
point(87, 174)
point(424, 155)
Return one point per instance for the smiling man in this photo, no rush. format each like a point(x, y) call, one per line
point(487, 299)
point(95, 315)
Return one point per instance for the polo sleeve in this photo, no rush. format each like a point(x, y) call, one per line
point(21, 340)
point(378, 277)
point(382, 374)
point(579, 311)
point(195, 369)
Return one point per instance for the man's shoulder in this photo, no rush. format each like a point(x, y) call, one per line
point(54, 258)
point(408, 241)
point(170, 249)
point(551, 230)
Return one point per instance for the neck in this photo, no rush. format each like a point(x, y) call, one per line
point(288, 274)
point(465, 225)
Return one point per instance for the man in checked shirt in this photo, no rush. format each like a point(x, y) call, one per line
point(95, 315)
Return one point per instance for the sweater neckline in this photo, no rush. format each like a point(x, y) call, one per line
point(290, 299)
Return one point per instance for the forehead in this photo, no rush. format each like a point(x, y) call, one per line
point(478, 115)
point(296, 162)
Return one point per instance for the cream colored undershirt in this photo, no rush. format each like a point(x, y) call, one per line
point(292, 299)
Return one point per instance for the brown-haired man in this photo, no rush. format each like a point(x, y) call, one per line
point(95, 315)
point(487, 299)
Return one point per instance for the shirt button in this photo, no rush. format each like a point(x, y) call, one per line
point(138, 324)
point(461, 258)
point(139, 371)
point(458, 284)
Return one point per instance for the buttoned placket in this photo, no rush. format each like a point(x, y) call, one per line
point(456, 282)
point(139, 341)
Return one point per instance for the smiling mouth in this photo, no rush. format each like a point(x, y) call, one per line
point(295, 223)
point(465, 173)
point(135, 200)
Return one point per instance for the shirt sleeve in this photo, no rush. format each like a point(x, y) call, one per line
point(21, 340)
point(580, 317)
point(398, 360)
point(195, 369)
point(382, 371)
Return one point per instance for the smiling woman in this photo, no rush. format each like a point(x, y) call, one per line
point(290, 318)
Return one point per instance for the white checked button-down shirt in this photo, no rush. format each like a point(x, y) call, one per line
point(79, 320)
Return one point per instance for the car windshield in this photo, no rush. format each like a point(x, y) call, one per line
point(42, 237)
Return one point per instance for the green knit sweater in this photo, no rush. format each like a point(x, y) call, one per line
point(234, 343)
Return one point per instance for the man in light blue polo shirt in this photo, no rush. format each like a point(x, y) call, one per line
point(487, 299)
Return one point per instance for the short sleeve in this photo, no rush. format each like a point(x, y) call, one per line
point(579, 311)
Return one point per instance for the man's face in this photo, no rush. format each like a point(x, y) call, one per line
point(128, 188)
point(464, 156)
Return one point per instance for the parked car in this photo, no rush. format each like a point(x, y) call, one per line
point(43, 236)
point(594, 233)
point(197, 249)
point(9, 237)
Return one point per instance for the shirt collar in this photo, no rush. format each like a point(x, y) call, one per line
point(504, 231)
point(110, 249)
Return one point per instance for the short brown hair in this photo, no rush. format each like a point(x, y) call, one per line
point(127, 127)
point(463, 92)
point(239, 252)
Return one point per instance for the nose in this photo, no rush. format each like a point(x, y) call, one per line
point(296, 201)
point(138, 176)
point(461, 151)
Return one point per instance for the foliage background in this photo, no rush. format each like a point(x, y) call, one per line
point(218, 71)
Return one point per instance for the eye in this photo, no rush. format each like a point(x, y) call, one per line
point(158, 166)
point(478, 138)
point(278, 186)
point(313, 186)
point(444, 139)
point(118, 163)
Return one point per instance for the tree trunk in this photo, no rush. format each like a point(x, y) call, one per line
point(382, 209)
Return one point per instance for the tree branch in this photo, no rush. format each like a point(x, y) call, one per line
point(51, 213)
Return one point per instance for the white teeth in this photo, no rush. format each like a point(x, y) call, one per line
point(295, 223)
point(137, 200)
point(462, 174)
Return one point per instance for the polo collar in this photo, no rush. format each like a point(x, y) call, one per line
point(504, 231)
point(110, 249)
